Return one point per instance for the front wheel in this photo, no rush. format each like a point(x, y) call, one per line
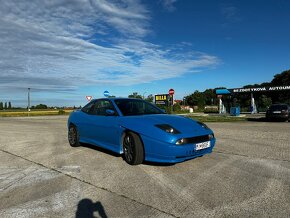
point(133, 149)
point(73, 136)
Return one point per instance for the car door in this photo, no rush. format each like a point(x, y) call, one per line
point(103, 129)
point(84, 121)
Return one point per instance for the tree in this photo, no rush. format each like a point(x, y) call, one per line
point(210, 96)
point(135, 95)
point(282, 79)
point(1, 105)
point(5, 106)
point(196, 99)
point(9, 105)
point(149, 98)
point(41, 106)
point(176, 107)
point(264, 101)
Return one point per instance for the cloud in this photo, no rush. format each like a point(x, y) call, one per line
point(128, 17)
point(168, 5)
point(231, 14)
point(64, 45)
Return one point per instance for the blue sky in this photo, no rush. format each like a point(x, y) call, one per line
point(67, 49)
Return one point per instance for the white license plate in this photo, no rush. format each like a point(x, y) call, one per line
point(202, 145)
point(277, 112)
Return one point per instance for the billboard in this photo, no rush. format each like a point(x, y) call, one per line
point(162, 99)
point(252, 89)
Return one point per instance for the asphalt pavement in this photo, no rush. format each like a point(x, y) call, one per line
point(247, 175)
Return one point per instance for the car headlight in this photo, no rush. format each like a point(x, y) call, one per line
point(202, 125)
point(167, 128)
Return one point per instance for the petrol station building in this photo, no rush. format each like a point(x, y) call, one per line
point(251, 91)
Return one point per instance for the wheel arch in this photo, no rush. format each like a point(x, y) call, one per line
point(70, 124)
point(125, 131)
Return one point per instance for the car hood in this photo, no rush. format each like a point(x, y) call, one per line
point(145, 125)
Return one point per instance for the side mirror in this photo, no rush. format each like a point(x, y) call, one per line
point(110, 112)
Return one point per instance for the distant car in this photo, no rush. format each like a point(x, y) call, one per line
point(139, 130)
point(278, 112)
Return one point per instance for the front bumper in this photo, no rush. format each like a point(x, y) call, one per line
point(158, 151)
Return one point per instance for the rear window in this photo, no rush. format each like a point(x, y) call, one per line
point(278, 107)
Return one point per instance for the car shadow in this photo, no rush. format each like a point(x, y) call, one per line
point(158, 164)
point(264, 119)
point(148, 163)
point(258, 119)
point(86, 209)
point(97, 148)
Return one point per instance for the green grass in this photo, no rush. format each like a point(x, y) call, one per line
point(32, 113)
point(218, 118)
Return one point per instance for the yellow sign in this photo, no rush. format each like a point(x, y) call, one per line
point(161, 97)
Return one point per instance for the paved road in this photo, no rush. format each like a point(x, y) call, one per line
point(247, 175)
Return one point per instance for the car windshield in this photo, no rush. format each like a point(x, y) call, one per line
point(131, 107)
point(278, 107)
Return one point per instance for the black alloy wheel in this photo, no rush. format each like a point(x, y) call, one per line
point(133, 149)
point(73, 136)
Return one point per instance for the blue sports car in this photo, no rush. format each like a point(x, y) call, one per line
point(139, 130)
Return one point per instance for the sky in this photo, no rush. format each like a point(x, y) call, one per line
point(65, 50)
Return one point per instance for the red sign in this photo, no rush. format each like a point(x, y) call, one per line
point(171, 91)
point(89, 98)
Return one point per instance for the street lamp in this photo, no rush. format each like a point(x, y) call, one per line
point(28, 108)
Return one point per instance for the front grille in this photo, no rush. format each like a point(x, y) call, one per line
point(197, 139)
point(193, 153)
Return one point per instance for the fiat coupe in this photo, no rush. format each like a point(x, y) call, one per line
point(139, 130)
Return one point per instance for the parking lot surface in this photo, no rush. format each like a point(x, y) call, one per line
point(247, 175)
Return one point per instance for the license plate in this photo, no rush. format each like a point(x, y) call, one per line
point(277, 112)
point(202, 145)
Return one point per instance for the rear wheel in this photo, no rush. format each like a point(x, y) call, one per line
point(133, 149)
point(73, 136)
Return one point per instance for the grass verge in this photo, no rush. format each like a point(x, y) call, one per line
point(33, 113)
point(218, 118)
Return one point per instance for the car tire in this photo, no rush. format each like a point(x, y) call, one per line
point(133, 149)
point(73, 136)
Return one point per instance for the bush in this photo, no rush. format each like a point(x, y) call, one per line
point(61, 112)
point(211, 109)
point(176, 107)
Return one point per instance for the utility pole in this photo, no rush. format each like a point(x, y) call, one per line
point(28, 108)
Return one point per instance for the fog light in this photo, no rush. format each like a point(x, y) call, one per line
point(179, 142)
point(210, 136)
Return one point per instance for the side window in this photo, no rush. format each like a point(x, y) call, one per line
point(88, 107)
point(101, 106)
